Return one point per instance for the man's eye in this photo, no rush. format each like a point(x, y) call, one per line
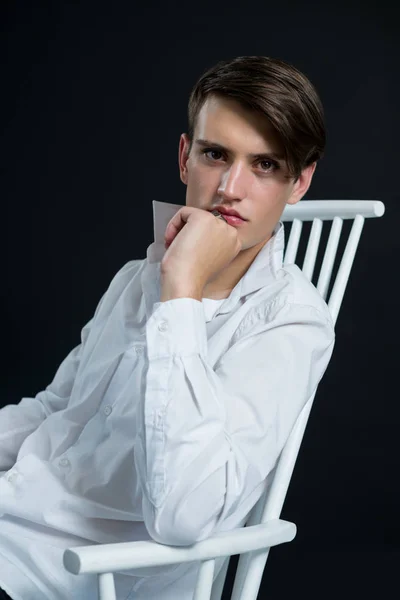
point(271, 165)
point(209, 151)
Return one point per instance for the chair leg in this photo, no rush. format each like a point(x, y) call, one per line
point(219, 582)
point(106, 586)
point(204, 580)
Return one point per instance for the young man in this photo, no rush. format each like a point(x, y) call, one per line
point(165, 422)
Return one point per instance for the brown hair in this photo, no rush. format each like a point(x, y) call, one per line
point(275, 89)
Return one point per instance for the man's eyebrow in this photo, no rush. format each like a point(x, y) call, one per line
point(201, 142)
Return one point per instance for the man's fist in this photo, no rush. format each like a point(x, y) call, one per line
point(198, 246)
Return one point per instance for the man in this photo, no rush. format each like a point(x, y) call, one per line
point(165, 422)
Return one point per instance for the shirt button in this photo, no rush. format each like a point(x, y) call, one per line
point(11, 476)
point(139, 350)
point(63, 462)
point(163, 326)
point(108, 410)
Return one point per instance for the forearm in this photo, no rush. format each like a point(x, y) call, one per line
point(209, 437)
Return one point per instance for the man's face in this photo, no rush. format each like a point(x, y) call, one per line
point(257, 188)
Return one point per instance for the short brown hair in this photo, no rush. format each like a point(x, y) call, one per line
point(275, 89)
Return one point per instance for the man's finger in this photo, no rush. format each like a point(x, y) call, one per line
point(176, 224)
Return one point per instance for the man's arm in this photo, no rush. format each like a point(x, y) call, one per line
point(208, 437)
point(18, 421)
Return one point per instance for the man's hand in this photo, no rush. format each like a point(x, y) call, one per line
point(199, 245)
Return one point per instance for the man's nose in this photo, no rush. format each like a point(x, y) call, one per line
point(233, 183)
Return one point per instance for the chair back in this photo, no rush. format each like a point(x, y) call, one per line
point(326, 261)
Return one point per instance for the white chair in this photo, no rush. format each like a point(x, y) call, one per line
point(263, 528)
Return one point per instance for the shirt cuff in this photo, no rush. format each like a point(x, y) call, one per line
point(177, 326)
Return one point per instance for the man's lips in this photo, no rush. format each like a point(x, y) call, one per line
point(229, 212)
point(233, 220)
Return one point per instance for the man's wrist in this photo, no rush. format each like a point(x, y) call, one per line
point(172, 289)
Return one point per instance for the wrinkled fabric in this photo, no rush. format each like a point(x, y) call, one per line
point(163, 424)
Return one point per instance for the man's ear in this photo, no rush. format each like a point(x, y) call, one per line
point(302, 184)
point(183, 155)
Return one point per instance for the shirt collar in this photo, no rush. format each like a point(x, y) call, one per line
point(263, 270)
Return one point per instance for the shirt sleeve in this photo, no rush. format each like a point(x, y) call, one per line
point(210, 436)
point(18, 421)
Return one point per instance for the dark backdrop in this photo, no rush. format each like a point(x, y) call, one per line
point(94, 101)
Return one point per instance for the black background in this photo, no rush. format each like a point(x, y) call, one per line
point(94, 101)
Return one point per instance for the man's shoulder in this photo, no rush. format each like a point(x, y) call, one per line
point(301, 292)
point(124, 277)
point(127, 272)
point(291, 297)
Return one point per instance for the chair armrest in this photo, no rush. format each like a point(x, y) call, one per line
point(108, 558)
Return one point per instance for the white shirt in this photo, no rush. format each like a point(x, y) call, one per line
point(163, 423)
